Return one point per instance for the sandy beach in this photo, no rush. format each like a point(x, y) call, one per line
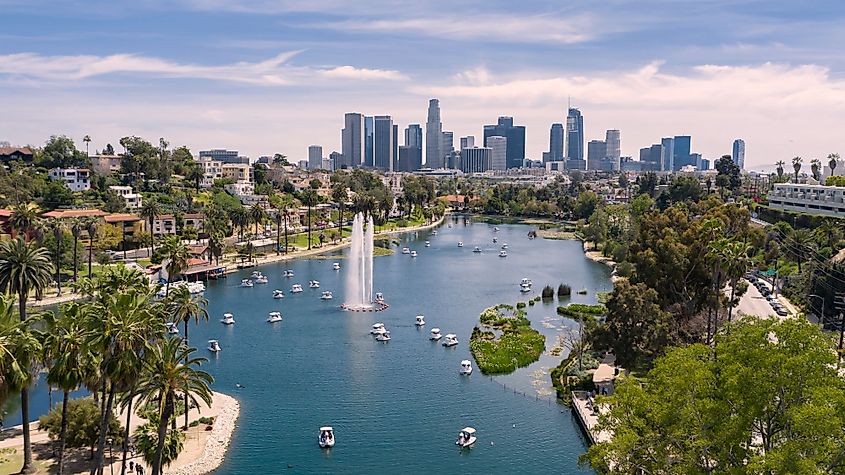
point(598, 257)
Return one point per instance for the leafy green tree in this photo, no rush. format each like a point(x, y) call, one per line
point(24, 268)
point(636, 328)
point(60, 151)
point(728, 176)
point(169, 370)
point(79, 421)
point(586, 204)
point(57, 195)
point(771, 402)
point(114, 202)
point(647, 183)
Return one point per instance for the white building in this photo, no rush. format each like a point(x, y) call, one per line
point(498, 152)
point(810, 199)
point(77, 179)
point(133, 200)
point(212, 169)
point(240, 188)
point(164, 225)
point(238, 172)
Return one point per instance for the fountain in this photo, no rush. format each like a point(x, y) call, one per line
point(359, 277)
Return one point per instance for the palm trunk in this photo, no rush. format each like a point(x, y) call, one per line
point(152, 238)
point(75, 267)
point(278, 236)
point(126, 432)
point(186, 392)
point(162, 433)
point(286, 233)
point(309, 226)
point(63, 432)
point(104, 428)
point(731, 303)
point(27, 444)
point(90, 254)
point(340, 223)
point(58, 266)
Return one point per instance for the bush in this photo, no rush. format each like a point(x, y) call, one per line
point(520, 305)
point(83, 424)
point(532, 302)
point(146, 439)
point(563, 290)
point(548, 292)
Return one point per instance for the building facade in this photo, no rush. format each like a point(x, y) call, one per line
point(556, 136)
point(475, 159)
point(681, 152)
point(667, 154)
point(614, 143)
point(596, 152)
point(352, 140)
point(369, 142)
point(222, 155)
point(574, 135)
point(515, 135)
point(315, 157)
point(498, 146)
point(738, 153)
point(810, 199)
point(211, 170)
point(434, 156)
point(384, 145)
point(77, 179)
point(133, 200)
point(105, 164)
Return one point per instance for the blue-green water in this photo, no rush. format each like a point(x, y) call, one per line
point(396, 407)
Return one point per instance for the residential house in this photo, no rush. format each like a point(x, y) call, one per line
point(164, 225)
point(8, 154)
point(133, 200)
point(77, 179)
point(212, 169)
point(105, 164)
point(194, 220)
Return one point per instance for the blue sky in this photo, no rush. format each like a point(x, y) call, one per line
point(272, 76)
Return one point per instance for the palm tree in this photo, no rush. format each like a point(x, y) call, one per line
point(240, 219)
point(796, 165)
point(780, 164)
point(87, 140)
point(800, 243)
point(65, 347)
point(182, 306)
point(170, 369)
point(58, 228)
point(815, 167)
point(339, 196)
point(176, 255)
point(215, 246)
point(736, 265)
point(10, 334)
point(76, 227)
point(24, 268)
point(91, 228)
point(151, 210)
point(309, 197)
point(833, 158)
point(257, 215)
point(23, 219)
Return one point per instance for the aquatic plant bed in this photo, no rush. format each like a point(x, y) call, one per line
point(517, 345)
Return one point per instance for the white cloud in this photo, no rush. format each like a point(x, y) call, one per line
point(486, 27)
point(272, 72)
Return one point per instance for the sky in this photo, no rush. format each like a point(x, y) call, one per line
point(275, 76)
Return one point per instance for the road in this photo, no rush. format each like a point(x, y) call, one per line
point(754, 303)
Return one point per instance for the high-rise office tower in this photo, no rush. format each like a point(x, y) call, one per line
point(681, 156)
point(498, 146)
point(394, 160)
point(447, 145)
point(369, 142)
point(315, 157)
point(383, 142)
point(414, 136)
point(667, 154)
point(574, 135)
point(650, 158)
point(614, 144)
point(515, 135)
point(475, 159)
point(556, 143)
point(596, 152)
point(467, 142)
point(434, 136)
point(738, 153)
point(352, 140)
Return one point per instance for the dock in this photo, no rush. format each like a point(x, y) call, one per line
point(588, 419)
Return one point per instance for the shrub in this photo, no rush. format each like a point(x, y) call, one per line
point(146, 439)
point(563, 290)
point(520, 305)
point(532, 302)
point(548, 292)
point(83, 423)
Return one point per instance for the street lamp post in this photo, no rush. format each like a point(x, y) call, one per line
point(821, 318)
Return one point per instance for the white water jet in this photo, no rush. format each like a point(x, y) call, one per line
point(359, 278)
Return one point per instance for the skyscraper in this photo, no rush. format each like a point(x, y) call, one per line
point(447, 145)
point(475, 159)
point(383, 142)
point(650, 158)
point(556, 143)
point(667, 154)
point(614, 144)
point(574, 135)
point(681, 153)
point(434, 136)
point(515, 136)
point(315, 157)
point(467, 142)
point(410, 155)
point(352, 140)
point(413, 136)
point(738, 153)
point(596, 151)
point(498, 152)
point(394, 159)
point(369, 142)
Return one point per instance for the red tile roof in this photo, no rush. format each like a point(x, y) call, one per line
point(74, 213)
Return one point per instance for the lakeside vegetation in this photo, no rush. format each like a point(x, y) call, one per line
point(516, 345)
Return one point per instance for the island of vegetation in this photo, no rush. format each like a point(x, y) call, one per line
point(505, 341)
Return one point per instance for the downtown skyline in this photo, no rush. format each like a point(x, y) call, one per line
point(266, 77)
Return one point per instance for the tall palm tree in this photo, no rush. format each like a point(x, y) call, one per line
point(58, 229)
point(736, 259)
point(339, 196)
point(171, 369)
point(815, 168)
point(257, 215)
point(184, 307)
point(71, 361)
point(309, 198)
point(87, 140)
point(176, 255)
point(216, 246)
point(23, 219)
point(150, 211)
point(833, 158)
point(76, 227)
point(780, 164)
point(801, 243)
point(240, 219)
point(24, 268)
point(10, 334)
point(796, 165)
point(91, 229)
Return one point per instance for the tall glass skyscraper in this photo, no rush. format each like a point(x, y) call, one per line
point(682, 154)
point(369, 142)
point(574, 135)
point(434, 156)
point(515, 135)
point(352, 140)
point(384, 146)
point(556, 143)
point(738, 153)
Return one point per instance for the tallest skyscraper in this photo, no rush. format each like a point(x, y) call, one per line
point(574, 135)
point(434, 136)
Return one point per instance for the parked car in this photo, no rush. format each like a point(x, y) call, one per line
point(782, 312)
